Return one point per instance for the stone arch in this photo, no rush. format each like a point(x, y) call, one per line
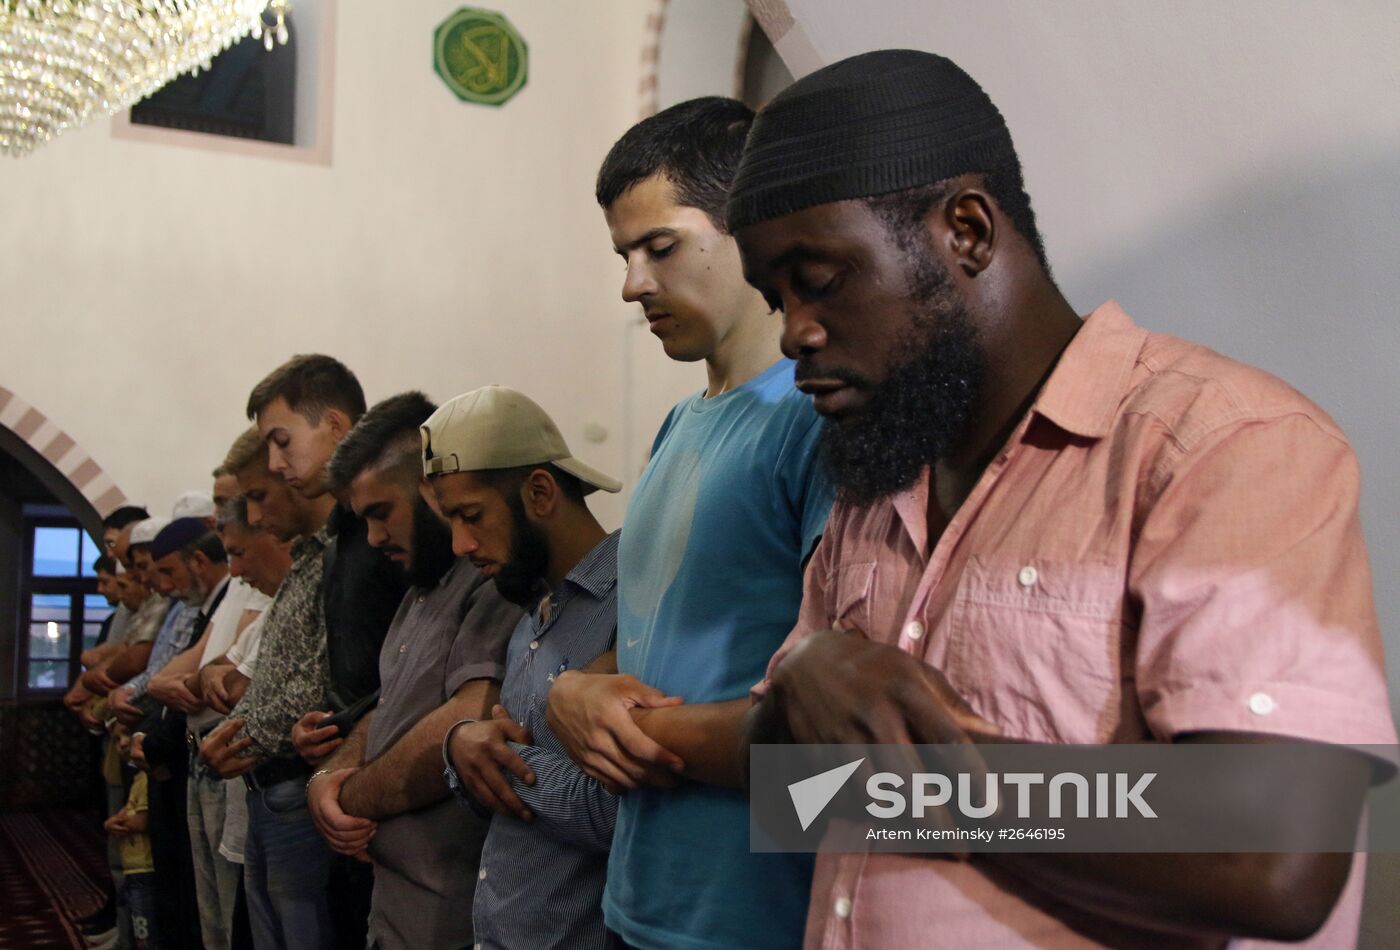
point(58, 461)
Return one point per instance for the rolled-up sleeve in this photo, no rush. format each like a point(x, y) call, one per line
point(1254, 590)
point(479, 651)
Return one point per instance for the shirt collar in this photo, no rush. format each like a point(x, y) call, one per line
point(213, 594)
point(596, 572)
point(1085, 389)
point(317, 542)
point(340, 518)
point(443, 581)
point(1081, 396)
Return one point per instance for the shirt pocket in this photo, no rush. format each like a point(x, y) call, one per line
point(1035, 647)
point(850, 585)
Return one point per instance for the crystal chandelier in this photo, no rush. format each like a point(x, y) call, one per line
point(64, 62)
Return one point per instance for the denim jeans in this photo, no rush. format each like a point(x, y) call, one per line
point(215, 876)
point(140, 893)
point(285, 867)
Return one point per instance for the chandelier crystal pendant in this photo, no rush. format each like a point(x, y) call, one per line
point(65, 62)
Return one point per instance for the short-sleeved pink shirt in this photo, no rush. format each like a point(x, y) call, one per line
point(1168, 543)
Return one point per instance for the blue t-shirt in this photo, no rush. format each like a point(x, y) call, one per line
point(710, 580)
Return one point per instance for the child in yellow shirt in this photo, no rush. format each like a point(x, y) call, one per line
point(138, 870)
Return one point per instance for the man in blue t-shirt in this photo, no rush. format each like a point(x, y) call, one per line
point(710, 562)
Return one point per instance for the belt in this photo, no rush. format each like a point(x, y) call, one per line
point(275, 771)
point(194, 739)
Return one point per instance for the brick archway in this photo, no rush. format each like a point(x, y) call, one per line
point(56, 447)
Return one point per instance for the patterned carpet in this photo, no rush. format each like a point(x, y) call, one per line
point(51, 866)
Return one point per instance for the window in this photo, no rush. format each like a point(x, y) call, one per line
point(62, 611)
point(248, 92)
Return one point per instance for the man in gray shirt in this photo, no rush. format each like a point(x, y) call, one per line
point(380, 795)
point(515, 499)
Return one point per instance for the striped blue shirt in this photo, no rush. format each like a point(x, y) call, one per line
point(174, 636)
point(541, 882)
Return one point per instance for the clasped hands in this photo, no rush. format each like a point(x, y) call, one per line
point(177, 692)
point(481, 756)
point(225, 754)
point(594, 716)
point(838, 687)
point(346, 834)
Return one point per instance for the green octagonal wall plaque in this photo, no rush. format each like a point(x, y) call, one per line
point(480, 56)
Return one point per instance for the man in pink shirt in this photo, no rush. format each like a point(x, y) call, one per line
point(1050, 529)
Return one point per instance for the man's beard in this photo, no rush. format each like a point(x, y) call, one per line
point(432, 555)
point(922, 407)
point(194, 595)
point(521, 579)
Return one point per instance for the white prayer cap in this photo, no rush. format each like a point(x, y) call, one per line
point(193, 504)
point(144, 532)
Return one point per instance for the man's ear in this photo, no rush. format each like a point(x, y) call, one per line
point(539, 493)
point(339, 423)
point(969, 226)
point(430, 496)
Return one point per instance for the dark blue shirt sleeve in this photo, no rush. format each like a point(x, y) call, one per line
point(568, 804)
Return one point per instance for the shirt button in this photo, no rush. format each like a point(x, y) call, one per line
point(481, 875)
point(913, 630)
point(1261, 704)
point(403, 647)
point(534, 644)
point(1027, 577)
point(421, 599)
point(843, 907)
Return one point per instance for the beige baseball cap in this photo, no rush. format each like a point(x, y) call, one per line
point(496, 427)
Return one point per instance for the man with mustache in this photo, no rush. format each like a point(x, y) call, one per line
point(516, 499)
point(286, 864)
point(381, 794)
point(710, 561)
point(189, 563)
point(1049, 529)
point(178, 686)
point(303, 409)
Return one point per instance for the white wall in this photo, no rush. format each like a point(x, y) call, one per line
point(146, 288)
point(699, 49)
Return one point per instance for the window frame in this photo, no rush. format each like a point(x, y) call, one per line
point(76, 587)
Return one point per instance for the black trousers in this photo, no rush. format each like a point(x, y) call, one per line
point(350, 885)
point(177, 906)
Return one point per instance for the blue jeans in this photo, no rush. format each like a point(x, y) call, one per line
point(140, 893)
point(285, 867)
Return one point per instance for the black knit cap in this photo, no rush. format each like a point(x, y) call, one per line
point(869, 125)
